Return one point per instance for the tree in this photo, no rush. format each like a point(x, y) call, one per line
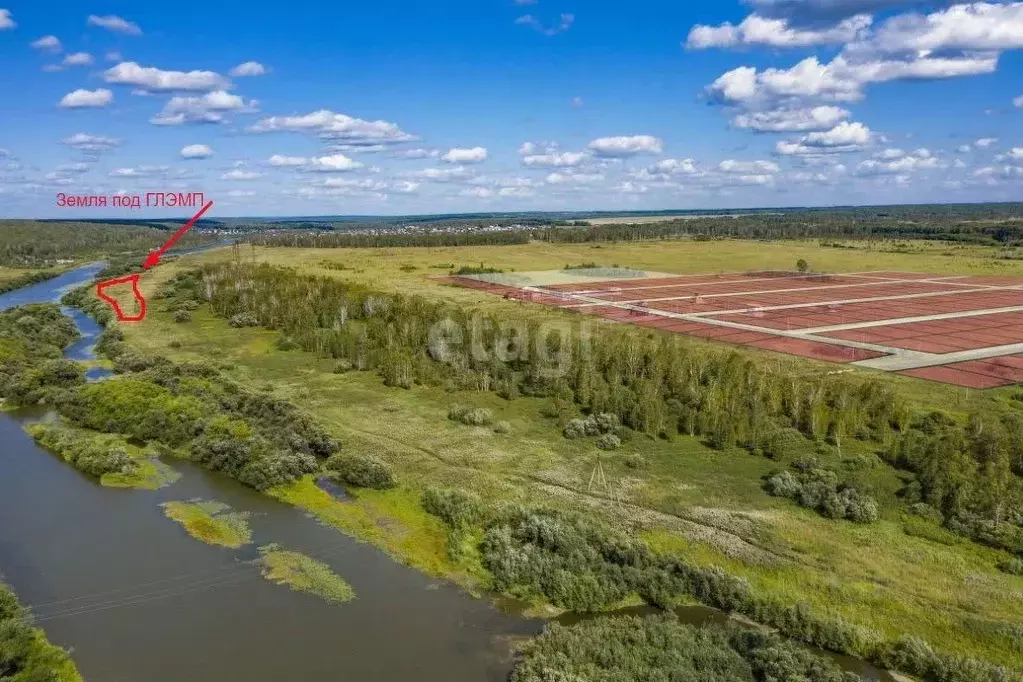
point(802, 265)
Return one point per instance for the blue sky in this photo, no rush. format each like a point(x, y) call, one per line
point(407, 107)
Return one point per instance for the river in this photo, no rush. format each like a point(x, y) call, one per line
point(138, 600)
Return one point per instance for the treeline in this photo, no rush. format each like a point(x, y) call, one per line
point(25, 280)
point(25, 655)
point(985, 224)
point(969, 478)
point(30, 243)
point(326, 240)
point(660, 386)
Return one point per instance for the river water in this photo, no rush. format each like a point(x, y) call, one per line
point(138, 600)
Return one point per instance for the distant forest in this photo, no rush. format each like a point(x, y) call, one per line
point(37, 244)
point(992, 224)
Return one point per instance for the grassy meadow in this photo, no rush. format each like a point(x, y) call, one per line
point(901, 575)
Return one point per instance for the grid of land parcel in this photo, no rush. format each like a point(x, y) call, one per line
point(958, 329)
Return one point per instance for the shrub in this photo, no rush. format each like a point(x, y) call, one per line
point(926, 511)
point(1013, 566)
point(470, 416)
point(817, 489)
point(243, 320)
point(364, 471)
point(342, 366)
point(182, 316)
point(609, 441)
point(575, 428)
point(783, 484)
point(782, 443)
point(636, 461)
point(630, 648)
point(593, 425)
point(188, 304)
point(502, 427)
point(456, 508)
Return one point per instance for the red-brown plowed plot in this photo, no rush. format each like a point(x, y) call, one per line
point(965, 333)
point(959, 301)
point(848, 317)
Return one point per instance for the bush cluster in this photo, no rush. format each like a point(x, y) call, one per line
point(1013, 566)
point(470, 416)
point(662, 648)
point(456, 508)
point(364, 471)
point(916, 657)
point(25, 655)
point(243, 320)
point(819, 489)
point(609, 441)
point(92, 454)
point(32, 340)
point(593, 425)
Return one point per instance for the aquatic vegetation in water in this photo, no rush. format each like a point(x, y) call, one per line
point(304, 574)
point(211, 522)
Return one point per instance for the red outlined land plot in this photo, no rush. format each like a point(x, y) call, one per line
point(957, 329)
point(140, 300)
point(152, 260)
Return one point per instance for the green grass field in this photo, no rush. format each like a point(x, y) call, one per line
point(702, 504)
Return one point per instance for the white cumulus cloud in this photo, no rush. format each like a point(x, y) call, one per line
point(80, 99)
point(196, 151)
point(555, 159)
point(248, 69)
point(333, 126)
point(115, 24)
point(630, 145)
point(459, 155)
point(674, 167)
point(238, 174)
point(153, 79)
point(334, 163)
point(78, 59)
point(280, 160)
point(748, 167)
point(839, 80)
point(6, 21)
point(47, 43)
point(892, 163)
point(792, 120)
point(845, 137)
point(208, 108)
point(986, 142)
point(967, 26)
point(772, 32)
point(90, 143)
